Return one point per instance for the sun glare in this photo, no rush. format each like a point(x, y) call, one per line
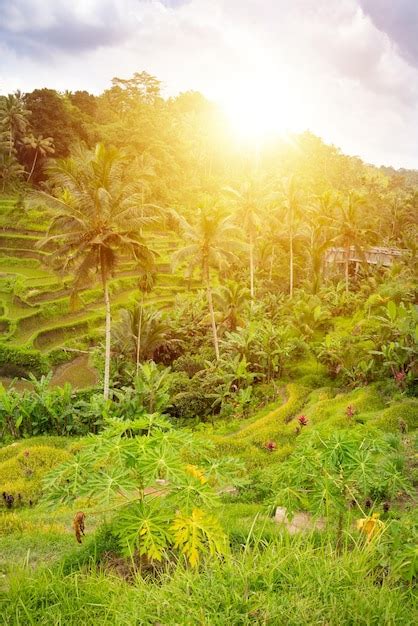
point(255, 117)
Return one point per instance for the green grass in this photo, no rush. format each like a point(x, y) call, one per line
point(291, 581)
point(269, 577)
point(326, 411)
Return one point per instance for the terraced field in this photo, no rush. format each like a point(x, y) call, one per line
point(35, 309)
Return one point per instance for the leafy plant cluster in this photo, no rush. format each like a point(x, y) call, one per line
point(375, 346)
point(159, 485)
point(49, 410)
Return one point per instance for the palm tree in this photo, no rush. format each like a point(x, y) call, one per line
point(144, 171)
point(146, 284)
point(320, 238)
point(41, 146)
point(145, 324)
point(13, 117)
point(214, 239)
point(10, 170)
point(97, 220)
point(249, 203)
point(349, 232)
point(292, 205)
point(399, 218)
point(230, 300)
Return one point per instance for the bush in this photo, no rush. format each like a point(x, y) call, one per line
point(189, 399)
point(22, 361)
point(191, 364)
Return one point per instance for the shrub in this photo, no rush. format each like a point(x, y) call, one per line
point(189, 399)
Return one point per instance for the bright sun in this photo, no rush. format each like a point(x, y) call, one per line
point(255, 116)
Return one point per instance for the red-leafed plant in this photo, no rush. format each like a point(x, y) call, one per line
point(271, 446)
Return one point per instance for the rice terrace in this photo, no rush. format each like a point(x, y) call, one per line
point(208, 313)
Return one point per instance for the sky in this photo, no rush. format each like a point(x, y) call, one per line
point(347, 70)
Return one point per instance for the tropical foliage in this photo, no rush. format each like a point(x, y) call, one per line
point(213, 359)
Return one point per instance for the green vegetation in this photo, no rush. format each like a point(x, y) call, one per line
point(208, 412)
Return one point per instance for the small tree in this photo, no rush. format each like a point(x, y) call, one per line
point(327, 475)
point(160, 501)
point(230, 300)
point(40, 147)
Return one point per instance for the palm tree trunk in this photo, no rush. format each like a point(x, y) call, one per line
point(212, 314)
point(33, 165)
point(106, 384)
point(11, 142)
point(251, 267)
point(291, 264)
point(138, 340)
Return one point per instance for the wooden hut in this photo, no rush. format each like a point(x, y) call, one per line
point(375, 255)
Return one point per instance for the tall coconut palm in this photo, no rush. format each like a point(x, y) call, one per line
point(146, 284)
point(10, 171)
point(349, 233)
point(96, 221)
point(249, 202)
point(214, 240)
point(319, 234)
point(40, 146)
point(144, 171)
point(292, 202)
point(13, 117)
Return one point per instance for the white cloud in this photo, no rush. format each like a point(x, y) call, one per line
point(322, 63)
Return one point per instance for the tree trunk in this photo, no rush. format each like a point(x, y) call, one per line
point(107, 341)
point(251, 267)
point(212, 314)
point(10, 143)
point(291, 264)
point(33, 165)
point(138, 339)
